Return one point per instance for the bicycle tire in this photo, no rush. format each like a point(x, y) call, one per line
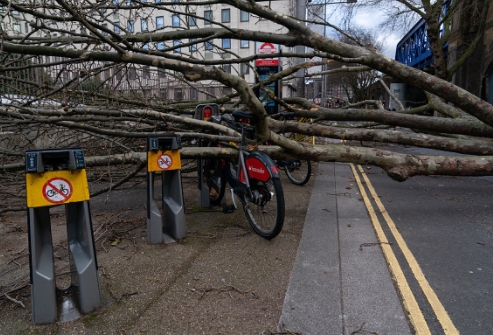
point(266, 217)
point(298, 171)
point(213, 177)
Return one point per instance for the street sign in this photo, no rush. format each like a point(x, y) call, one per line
point(57, 190)
point(267, 49)
point(164, 161)
point(56, 187)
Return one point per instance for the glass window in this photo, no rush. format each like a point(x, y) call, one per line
point(244, 16)
point(244, 68)
point(193, 47)
point(116, 27)
point(143, 24)
point(128, 2)
point(176, 44)
point(83, 31)
point(160, 46)
point(132, 73)
point(226, 43)
point(17, 28)
point(26, 26)
point(178, 93)
point(207, 17)
point(146, 72)
point(159, 22)
point(175, 20)
point(115, 2)
point(227, 68)
point(145, 46)
point(194, 94)
point(130, 26)
point(208, 46)
point(104, 25)
point(244, 44)
point(192, 20)
point(225, 15)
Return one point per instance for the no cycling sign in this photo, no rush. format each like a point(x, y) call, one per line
point(57, 190)
point(56, 187)
point(164, 161)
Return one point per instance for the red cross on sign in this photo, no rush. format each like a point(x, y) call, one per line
point(57, 190)
point(164, 162)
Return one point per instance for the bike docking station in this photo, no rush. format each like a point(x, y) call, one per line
point(55, 177)
point(204, 112)
point(163, 155)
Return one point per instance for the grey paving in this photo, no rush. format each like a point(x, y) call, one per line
point(337, 285)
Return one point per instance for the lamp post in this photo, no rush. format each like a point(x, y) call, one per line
point(323, 96)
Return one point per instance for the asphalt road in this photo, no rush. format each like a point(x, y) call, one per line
point(447, 225)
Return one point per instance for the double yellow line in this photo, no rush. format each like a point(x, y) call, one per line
point(410, 304)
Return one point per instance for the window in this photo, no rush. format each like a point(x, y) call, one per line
point(83, 31)
point(26, 27)
point(176, 45)
point(128, 2)
point(192, 20)
point(160, 46)
point(17, 28)
point(227, 68)
point(225, 15)
point(226, 43)
point(244, 44)
point(15, 12)
point(157, 1)
point(161, 73)
point(208, 46)
point(130, 26)
point(145, 46)
point(178, 93)
point(116, 27)
point(105, 26)
point(115, 2)
point(244, 68)
point(175, 20)
point(244, 16)
point(194, 94)
point(193, 47)
point(159, 22)
point(146, 72)
point(132, 73)
point(143, 24)
point(207, 17)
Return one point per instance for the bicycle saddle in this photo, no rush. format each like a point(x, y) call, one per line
point(239, 114)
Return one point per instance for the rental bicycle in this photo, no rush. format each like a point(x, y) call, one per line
point(254, 179)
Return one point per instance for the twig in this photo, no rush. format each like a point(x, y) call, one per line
point(14, 300)
point(372, 244)
point(361, 329)
point(204, 290)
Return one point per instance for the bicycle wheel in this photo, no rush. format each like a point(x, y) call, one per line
point(265, 212)
point(213, 177)
point(298, 171)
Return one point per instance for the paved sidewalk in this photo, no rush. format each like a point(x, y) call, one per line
point(337, 285)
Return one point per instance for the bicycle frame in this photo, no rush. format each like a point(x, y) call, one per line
point(256, 165)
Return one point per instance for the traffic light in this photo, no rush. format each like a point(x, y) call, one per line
point(206, 111)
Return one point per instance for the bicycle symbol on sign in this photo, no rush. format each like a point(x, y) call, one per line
point(61, 188)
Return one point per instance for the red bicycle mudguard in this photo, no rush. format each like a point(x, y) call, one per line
point(260, 166)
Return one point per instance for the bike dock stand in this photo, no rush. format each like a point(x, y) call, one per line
point(163, 155)
point(204, 112)
point(55, 177)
